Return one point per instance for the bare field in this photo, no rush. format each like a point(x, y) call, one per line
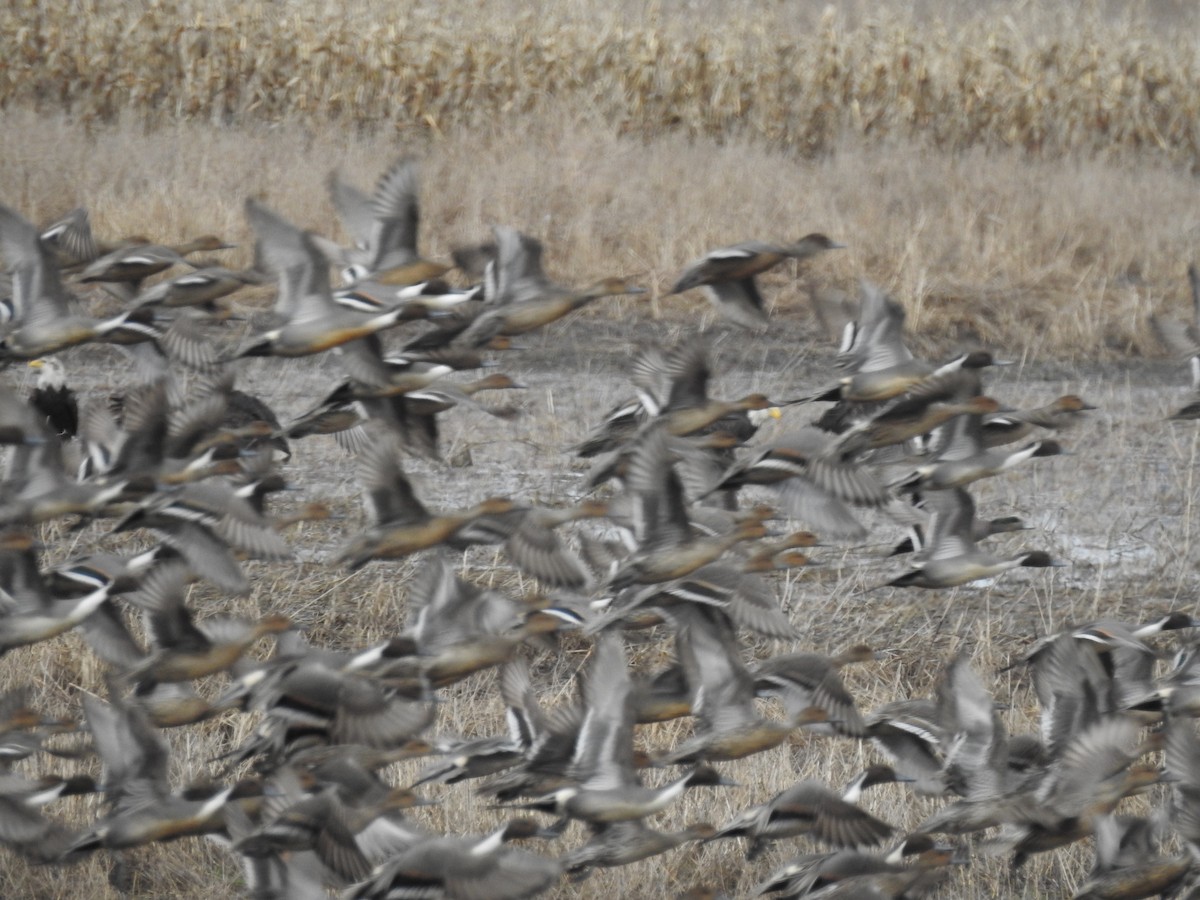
point(1052, 258)
point(1120, 510)
point(1050, 251)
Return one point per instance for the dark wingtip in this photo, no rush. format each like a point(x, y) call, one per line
point(1050, 448)
point(1039, 559)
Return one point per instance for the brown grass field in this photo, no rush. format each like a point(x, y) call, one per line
point(1023, 181)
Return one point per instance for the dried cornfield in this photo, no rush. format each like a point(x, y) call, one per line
point(1045, 78)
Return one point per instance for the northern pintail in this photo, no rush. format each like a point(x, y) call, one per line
point(312, 322)
point(421, 292)
point(1090, 775)
point(537, 550)
point(334, 417)
point(1050, 833)
point(662, 696)
point(960, 457)
point(401, 524)
point(729, 726)
point(200, 288)
point(914, 379)
point(1182, 757)
point(462, 868)
point(378, 391)
point(624, 843)
point(43, 322)
point(1183, 339)
point(728, 275)
point(746, 598)
point(178, 438)
point(981, 529)
point(619, 425)
point(673, 398)
point(460, 629)
point(172, 704)
point(548, 738)
point(133, 264)
point(668, 547)
point(419, 410)
point(42, 490)
point(900, 422)
point(661, 561)
point(973, 745)
point(24, 828)
point(909, 734)
point(674, 377)
point(775, 558)
point(383, 225)
point(607, 788)
point(298, 875)
point(873, 350)
point(311, 704)
point(952, 557)
point(1007, 426)
point(852, 873)
point(207, 522)
point(327, 819)
point(29, 612)
point(689, 420)
point(444, 395)
point(629, 802)
point(874, 338)
point(71, 241)
point(1099, 668)
point(802, 680)
point(24, 732)
point(693, 455)
point(15, 712)
point(143, 808)
point(524, 299)
point(1128, 864)
point(467, 759)
point(672, 386)
point(182, 649)
point(811, 808)
point(445, 610)
point(94, 569)
point(816, 481)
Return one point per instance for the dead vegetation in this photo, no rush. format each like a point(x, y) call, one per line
point(1037, 258)
point(1034, 76)
point(1024, 187)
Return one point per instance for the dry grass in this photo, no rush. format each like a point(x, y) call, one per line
point(1133, 557)
point(1033, 257)
point(1021, 185)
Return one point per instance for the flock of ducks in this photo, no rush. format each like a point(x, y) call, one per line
point(662, 548)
